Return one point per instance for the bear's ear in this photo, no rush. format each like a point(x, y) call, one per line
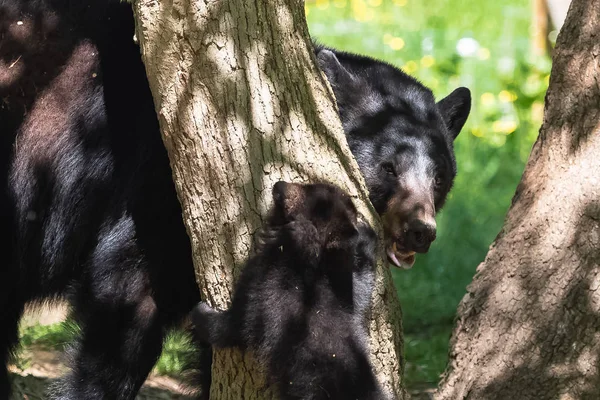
point(455, 109)
point(333, 69)
point(287, 197)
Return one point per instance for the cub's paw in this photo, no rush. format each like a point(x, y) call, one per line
point(203, 317)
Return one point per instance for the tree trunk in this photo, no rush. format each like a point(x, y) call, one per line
point(528, 328)
point(241, 105)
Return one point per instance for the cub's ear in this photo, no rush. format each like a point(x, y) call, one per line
point(287, 199)
point(455, 109)
point(333, 69)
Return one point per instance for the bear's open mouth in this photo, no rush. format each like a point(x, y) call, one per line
point(400, 258)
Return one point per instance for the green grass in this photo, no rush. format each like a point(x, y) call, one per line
point(52, 337)
point(508, 86)
point(178, 352)
point(426, 354)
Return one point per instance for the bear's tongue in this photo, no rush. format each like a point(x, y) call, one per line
point(400, 259)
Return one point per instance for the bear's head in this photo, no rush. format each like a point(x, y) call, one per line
point(319, 220)
point(403, 143)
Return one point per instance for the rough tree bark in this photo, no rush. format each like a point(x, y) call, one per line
point(242, 105)
point(528, 328)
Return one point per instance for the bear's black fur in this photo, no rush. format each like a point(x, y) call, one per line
point(301, 300)
point(88, 208)
point(402, 141)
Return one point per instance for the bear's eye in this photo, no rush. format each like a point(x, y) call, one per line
point(438, 181)
point(388, 168)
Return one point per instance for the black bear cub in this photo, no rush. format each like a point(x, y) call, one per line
point(301, 300)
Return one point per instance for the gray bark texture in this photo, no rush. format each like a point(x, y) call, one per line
point(529, 325)
point(241, 105)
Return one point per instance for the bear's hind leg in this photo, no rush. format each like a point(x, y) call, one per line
point(121, 339)
point(121, 327)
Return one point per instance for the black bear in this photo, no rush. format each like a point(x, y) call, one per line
point(402, 141)
point(88, 208)
point(301, 299)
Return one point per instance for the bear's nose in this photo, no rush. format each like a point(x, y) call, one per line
point(420, 235)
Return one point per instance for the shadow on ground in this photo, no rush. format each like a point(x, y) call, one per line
point(39, 368)
point(30, 387)
point(42, 368)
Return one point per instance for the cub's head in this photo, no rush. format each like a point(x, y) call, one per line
point(402, 140)
point(317, 219)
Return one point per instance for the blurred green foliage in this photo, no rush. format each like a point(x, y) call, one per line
point(485, 46)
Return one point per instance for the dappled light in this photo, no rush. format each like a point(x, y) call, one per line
point(239, 94)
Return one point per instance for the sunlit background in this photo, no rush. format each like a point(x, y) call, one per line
point(483, 45)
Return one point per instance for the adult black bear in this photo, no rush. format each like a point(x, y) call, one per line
point(403, 143)
point(87, 198)
point(300, 301)
point(86, 195)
